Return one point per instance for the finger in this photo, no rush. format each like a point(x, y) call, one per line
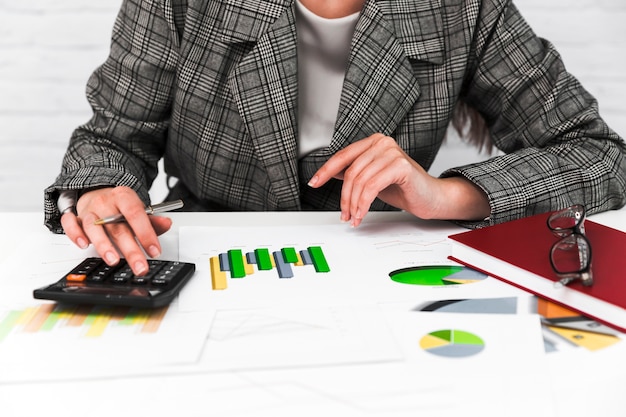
point(353, 177)
point(373, 176)
point(73, 230)
point(337, 164)
point(126, 241)
point(131, 238)
point(160, 224)
point(141, 226)
point(100, 239)
point(371, 157)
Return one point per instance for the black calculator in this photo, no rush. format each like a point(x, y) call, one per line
point(94, 282)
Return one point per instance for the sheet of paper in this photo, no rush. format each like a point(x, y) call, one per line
point(49, 341)
point(41, 340)
point(478, 375)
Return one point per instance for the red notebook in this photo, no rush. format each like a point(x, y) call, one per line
point(517, 252)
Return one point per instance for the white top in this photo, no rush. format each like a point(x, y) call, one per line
point(323, 52)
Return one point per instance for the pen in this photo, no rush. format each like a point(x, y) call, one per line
point(154, 209)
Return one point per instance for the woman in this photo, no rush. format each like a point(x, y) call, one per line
point(328, 105)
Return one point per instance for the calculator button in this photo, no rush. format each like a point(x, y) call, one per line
point(76, 277)
point(140, 280)
point(122, 276)
point(162, 279)
point(100, 274)
point(87, 266)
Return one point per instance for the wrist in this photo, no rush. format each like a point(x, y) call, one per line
point(464, 200)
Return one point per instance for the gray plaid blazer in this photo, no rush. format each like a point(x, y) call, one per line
point(211, 86)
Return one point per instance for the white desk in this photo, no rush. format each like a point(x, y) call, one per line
point(576, 383)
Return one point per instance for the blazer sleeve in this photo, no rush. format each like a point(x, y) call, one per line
point(130, 95)
point(557, 149)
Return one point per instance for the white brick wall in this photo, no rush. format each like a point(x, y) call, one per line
point(48, 49)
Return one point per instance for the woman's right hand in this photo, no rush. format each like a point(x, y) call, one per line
point(133, 239)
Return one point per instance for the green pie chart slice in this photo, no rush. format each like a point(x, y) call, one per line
point(437, 275)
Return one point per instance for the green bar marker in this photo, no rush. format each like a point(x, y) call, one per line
point(8, 323)
point(290, 255)
point(263, 259)
point(51, 321)
point(319, 260)
point(235, 259)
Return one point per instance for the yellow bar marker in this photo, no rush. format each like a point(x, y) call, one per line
point(248, 267)
point(140, 317)
point(26, 316)
point(218, 277)
point(100, 323)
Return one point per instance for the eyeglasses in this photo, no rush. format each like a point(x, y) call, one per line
point(571, 255)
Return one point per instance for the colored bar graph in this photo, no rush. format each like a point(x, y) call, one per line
point(236, 264)
point(90, 321)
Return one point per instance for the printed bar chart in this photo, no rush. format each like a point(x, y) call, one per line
point(236, 264)
point(91, 321)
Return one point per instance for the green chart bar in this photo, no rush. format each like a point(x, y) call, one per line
point(290, 255)
point(319, 260)
point(235, 259)
point(52, 320)
point(263, 259)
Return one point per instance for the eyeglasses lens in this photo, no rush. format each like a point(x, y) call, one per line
point(572, 254)
point(567, 221)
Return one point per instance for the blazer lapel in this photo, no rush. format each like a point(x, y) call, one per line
point(264, 85)
point(380, 86)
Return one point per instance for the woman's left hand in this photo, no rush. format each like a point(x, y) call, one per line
point(377, 167)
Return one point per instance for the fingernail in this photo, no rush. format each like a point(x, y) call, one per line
point(154, 252)
point(313, 181)
point(82, 243)
point(111, 258)
point(140, 268)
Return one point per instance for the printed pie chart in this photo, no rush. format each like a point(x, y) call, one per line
point(452, 343)
point(436, 275)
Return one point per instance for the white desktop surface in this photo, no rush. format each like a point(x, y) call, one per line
point(574, 383)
